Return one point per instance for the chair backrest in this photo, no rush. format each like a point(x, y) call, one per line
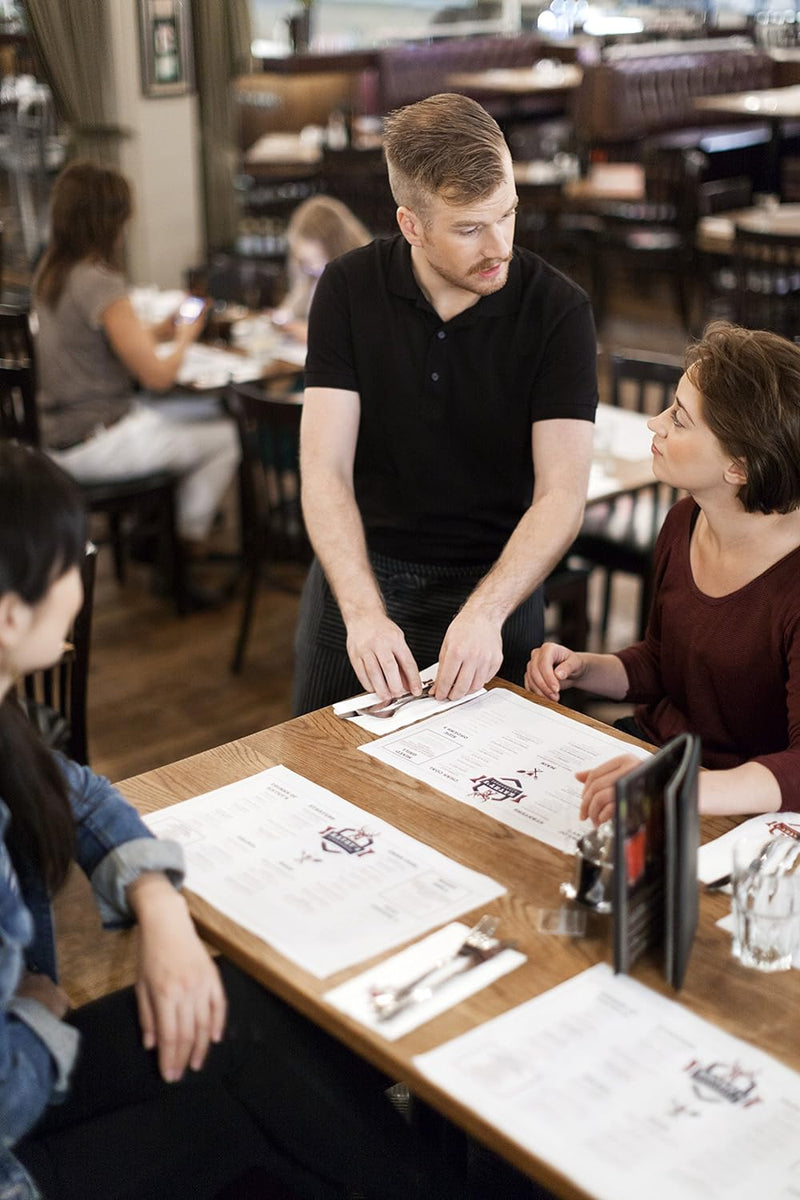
point(269, 431)
point(643, 383)
point(724, 195)
point(55, 699)
point(18, 417)
point(767, 281)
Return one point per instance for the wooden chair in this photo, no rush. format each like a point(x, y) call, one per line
point(655, 234)
point(55, 698)
point(767, 268)
point(271, 517)
point(715, 273)
point(141, 497)
point(621, 535)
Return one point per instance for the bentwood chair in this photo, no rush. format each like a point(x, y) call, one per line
point(767, 268)
point(141, 498)
point(271, 517)
point(55, 699)
point(620, 535)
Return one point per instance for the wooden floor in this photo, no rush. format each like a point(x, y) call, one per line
point(160, 686)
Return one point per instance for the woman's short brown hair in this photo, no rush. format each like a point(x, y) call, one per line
point(88, 210)
point(750, 384)
point(446, 145)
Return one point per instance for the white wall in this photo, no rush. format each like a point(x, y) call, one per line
point(161, 159)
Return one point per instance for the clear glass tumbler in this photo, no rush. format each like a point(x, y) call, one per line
point(766, 902)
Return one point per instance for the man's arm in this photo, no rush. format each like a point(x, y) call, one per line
point(472, 650)
point(375, 645)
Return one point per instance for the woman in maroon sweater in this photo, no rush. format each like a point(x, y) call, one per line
point(721, 656)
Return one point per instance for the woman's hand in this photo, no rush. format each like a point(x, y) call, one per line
point(181, 1000)
point(597, 802)
point(551, 666)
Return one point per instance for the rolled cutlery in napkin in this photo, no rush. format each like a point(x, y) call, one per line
point(354, 997)
point(409, 713)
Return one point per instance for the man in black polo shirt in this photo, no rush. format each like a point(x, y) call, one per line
point(447, 428)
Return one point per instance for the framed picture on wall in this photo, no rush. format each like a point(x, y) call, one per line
point(165, 47)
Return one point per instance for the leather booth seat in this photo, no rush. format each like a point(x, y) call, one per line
point(620, 102)
point(414, 70)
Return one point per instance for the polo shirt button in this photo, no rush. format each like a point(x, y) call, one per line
point(441, 335)
point(435, 376)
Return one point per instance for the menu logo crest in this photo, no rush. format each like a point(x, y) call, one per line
point(723, 1082)
point(347, 841)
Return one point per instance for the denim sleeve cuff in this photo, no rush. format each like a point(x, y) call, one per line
point(61, 1039)
point(123, 865)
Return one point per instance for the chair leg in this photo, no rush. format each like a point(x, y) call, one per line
point(117, 546)
point(253, 578)
point(177, 555)
point(606, 610)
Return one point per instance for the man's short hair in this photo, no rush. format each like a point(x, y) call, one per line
point(749, 381)
point(447, 146)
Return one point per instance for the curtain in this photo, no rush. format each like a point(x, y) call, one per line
point(222, 49)
point(71, 40)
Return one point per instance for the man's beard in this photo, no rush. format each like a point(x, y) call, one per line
point(472, 281)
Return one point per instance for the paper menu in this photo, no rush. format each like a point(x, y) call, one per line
point(325, 883)
point(509, 757)
point(629, 1094)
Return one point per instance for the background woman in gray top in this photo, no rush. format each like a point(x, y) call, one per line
point(92, 349)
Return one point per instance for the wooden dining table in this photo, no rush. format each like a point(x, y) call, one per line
point(773, 105)
point(716, 233)
point(324, 748)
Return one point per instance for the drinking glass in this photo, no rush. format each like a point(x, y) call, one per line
point(766, 902)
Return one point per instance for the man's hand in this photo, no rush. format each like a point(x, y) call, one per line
point(179, 993)
point(380, 657)
point(597, 802)
point(471, 654)
point(550, 667)
point(41, 987)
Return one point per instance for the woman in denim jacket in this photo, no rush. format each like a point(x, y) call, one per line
point(150, 1092)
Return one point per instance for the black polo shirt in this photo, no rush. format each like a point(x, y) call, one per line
point(443, 469)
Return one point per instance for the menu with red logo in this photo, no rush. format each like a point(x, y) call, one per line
point(629, 1095)
point(324, 882)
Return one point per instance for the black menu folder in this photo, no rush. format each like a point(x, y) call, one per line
point(656, 836)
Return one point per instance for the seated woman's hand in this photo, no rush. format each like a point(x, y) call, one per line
point(551, 666)
point(597, 803)
point(180, 997)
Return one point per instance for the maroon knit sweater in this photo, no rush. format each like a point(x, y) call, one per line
point(727, 667)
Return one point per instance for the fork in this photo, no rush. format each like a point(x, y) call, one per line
point(478, 946)
point(387, 708)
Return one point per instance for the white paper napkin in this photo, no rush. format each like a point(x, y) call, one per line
point(407, 715)
point(715, 859)
point(353, 997)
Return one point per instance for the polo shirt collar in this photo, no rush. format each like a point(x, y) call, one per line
point(400, 281)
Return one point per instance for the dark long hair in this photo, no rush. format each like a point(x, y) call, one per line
point(88, 210)
point(42, 535)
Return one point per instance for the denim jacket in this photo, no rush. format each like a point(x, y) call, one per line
point(38, 1051)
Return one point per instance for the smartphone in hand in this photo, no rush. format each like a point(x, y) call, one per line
point(191, 308)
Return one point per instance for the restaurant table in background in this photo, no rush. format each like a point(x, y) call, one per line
point(715, 234)
point(605, 182)
point(324, 749)
point(774, 105)
point(622, 461)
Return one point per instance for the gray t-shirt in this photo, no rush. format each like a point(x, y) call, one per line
point(82, 383)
